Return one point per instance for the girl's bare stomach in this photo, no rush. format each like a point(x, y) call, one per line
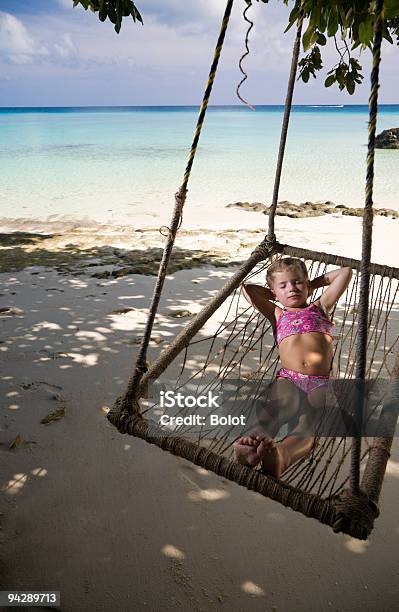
point(310, 353)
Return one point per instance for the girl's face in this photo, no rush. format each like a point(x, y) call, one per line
point(290, 288)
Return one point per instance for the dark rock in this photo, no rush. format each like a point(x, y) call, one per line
point(312, 209)
point(300, 211)
point(381, 212)
point(353, 212)
point(258, 205)
point(387, 212)
point(301, 214)
point(388, 139)
point(180, 314)
point(250, 206)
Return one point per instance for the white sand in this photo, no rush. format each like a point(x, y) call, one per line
point(116, 524)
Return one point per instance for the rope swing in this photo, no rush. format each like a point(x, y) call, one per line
point(326, 484)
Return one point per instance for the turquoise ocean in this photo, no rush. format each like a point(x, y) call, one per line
point(123, 165)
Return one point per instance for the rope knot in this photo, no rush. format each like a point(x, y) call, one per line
point(359, 511)
point(164, 230)
point(266, 247)
point(180, 197)
point(141, 368)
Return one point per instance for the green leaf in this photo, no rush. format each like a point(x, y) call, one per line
point(329, 80)
point(114, 10)
point(315, 16)
point(112, 13)
point(103, 14)
point(332, 26)
point(365, 31)
point(292, 18)
point(350, 86)
point(323, 20)
point(387, 36)
point(308, 38)
point(391, 9)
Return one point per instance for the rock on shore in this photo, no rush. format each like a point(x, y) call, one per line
point(388, 139)
point(310, 209)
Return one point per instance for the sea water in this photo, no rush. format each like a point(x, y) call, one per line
point(116, 165)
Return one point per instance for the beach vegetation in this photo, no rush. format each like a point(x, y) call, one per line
point(349, 23)
point(114, 10)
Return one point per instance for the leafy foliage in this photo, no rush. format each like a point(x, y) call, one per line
point(114, 10)
point(348, 22)
point(309, 64)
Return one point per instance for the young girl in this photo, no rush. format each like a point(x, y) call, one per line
point(304, 338)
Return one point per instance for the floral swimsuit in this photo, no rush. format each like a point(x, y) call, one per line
point(289, 323)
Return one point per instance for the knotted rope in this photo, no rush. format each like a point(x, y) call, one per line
point(284, 127)
point(361, 347)
point(265, 248)
point(357, 510)
point(244, 55)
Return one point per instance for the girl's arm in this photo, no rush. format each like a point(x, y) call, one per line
point(336, 282)
point(261, 299)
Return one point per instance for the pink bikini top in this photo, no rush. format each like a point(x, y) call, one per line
point(310, 319)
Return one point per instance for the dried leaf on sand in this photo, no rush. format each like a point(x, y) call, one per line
point(16, 442)
point(55, 415)
point(180, 314)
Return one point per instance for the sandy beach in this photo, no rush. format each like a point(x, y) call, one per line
point(111, 522)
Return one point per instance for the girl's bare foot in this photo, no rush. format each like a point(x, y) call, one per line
point(274, 457)
point(246, 450)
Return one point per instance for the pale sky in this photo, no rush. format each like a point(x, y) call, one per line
point(54, 55)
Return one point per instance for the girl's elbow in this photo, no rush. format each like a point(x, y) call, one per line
point(348, 275)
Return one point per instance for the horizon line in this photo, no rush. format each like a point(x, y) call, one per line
point(314, 104)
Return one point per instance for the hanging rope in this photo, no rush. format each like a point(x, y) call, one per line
point(284, 128)
point(128, 402)
point(361, 347)
point(244, 55)
point(207, 93)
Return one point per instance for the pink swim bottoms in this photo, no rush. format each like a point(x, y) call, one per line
point(305, 382)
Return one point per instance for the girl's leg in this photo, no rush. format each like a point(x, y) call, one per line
point(276, 458)
point(281, 405)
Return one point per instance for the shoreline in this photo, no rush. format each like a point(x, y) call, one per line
point(79, 246)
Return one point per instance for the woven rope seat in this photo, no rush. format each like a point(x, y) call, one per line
point(229, 347)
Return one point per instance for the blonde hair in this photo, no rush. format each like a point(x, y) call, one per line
point(286, 263)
